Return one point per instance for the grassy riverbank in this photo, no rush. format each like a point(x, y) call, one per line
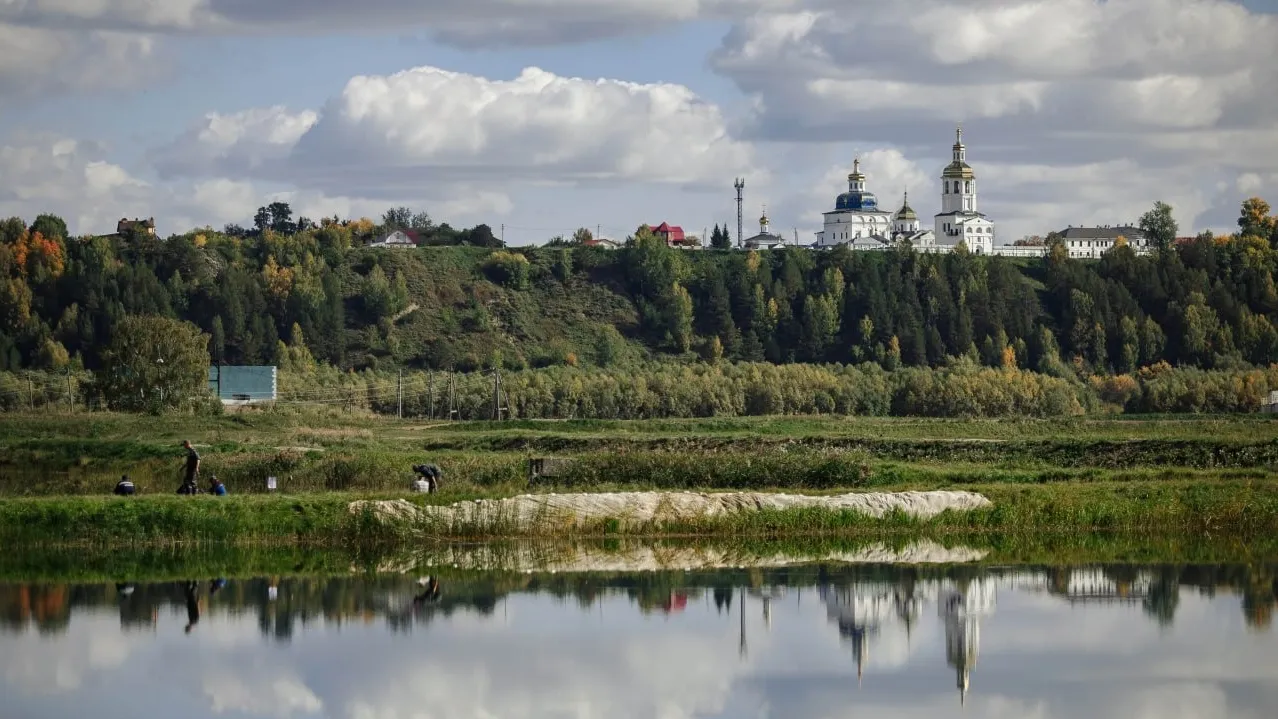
point(1231, 507)
point(1163, 474)
point(43, 455)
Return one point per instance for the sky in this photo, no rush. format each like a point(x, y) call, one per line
point(538, 656)
point(540, 116)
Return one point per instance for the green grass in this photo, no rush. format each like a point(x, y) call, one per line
point(44, 455)
point(1230, 507)
point(1132, 474)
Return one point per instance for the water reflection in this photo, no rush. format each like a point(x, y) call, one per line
point(799, 641)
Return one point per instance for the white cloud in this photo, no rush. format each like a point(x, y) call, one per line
point(889, 174)
point(73, 179)
point(236, 143)
point(425, 128)
point(1172, 94)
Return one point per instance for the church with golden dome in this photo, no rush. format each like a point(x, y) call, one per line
point(858, 222)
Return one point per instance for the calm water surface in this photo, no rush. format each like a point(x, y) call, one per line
point(818, 641)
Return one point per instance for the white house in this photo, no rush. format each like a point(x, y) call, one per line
point(396, 238)
point(1091, 243)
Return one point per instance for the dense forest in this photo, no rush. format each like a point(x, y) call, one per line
point(300, 294)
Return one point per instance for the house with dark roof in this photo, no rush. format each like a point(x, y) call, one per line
point(125, 226)
point(766, 239)
point(1090, 243)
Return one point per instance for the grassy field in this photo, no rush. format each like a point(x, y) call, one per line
point(1157, 474)
point(1237, 508)
point(44, 455)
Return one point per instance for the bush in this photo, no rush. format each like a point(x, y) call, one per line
point(507, 268)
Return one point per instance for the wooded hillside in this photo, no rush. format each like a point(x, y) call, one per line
point(314, 293)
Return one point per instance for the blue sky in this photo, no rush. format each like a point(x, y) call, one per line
point(1076, 112)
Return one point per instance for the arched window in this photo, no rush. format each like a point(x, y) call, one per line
point(967, 186)
point(947, 187)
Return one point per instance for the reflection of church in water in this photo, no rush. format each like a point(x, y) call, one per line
point(866, 612)
point(962, 608)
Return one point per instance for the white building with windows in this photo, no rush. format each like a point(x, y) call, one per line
point(857, 221)
point(1090, 243)
point(856, 216)
point(960, 220)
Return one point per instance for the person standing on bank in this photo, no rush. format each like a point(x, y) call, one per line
point(192, 469)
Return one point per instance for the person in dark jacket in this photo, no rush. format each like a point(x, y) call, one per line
point(427, 475)
point(216, 487)
point(124, 488)
point(192, 469)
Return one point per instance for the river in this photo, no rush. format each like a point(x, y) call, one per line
point(821, 640)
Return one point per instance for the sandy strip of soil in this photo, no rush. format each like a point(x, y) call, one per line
point(545, 510)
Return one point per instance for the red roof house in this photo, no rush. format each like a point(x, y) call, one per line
point(673, 235)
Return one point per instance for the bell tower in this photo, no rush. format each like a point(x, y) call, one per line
point(958, 181)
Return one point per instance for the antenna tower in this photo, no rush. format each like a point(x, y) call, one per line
point(740, 185)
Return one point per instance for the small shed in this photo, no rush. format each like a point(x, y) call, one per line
point(244, 384)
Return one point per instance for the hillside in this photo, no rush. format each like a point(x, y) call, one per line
point(316, 293)
point(456, 316)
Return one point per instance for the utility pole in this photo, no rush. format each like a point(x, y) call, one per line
point(219, 379)
point(452, 397)
point(70, 398)
point(399, 394)
point(503, 233)
point(31, 393)
point(740, 185)
point(430, 395)
point(598, 229)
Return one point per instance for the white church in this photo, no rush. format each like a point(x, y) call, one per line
point(858, 222)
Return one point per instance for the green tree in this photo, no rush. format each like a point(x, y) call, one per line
point(678, 314)
point(719, 239)
point(508, 268)
point(154, 363)
point(1129, 345)
point(1254, 219)
point(397, 218)
point(1160, 226)
point(381, 297)
point(51, 226)
point(218, 335)
point(562, 266)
